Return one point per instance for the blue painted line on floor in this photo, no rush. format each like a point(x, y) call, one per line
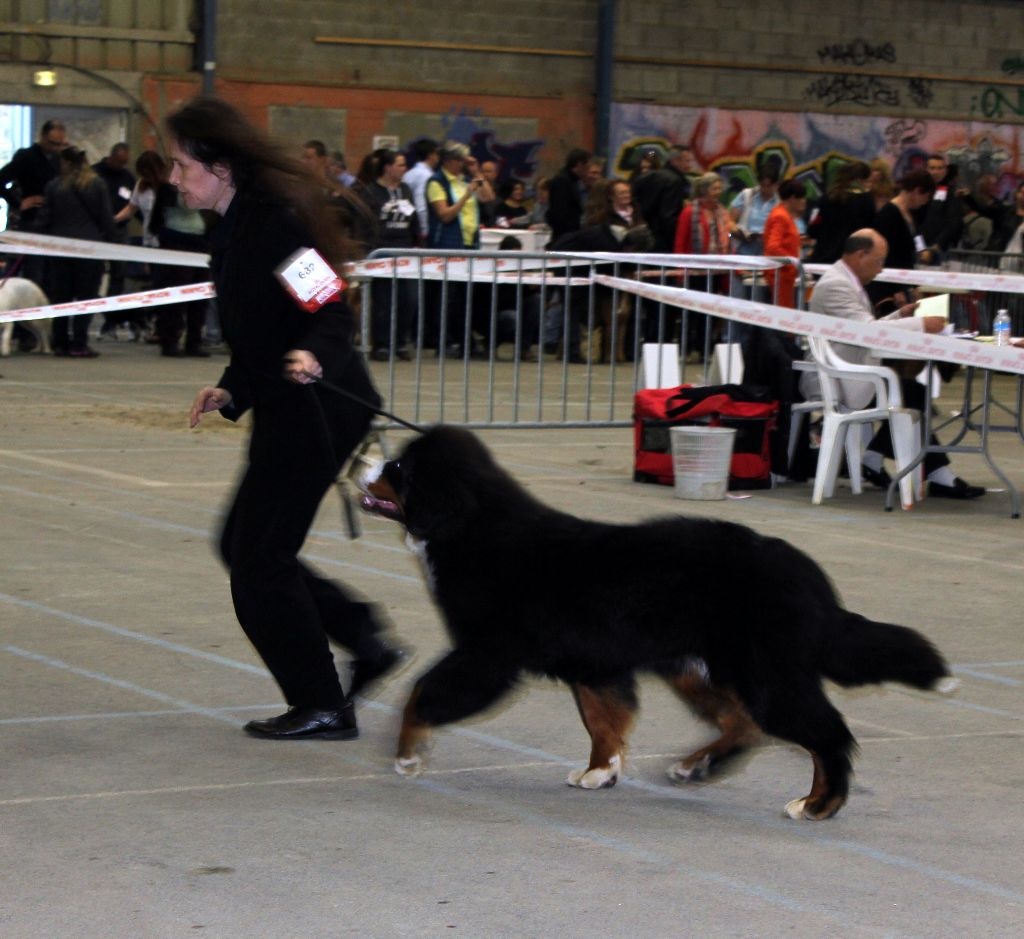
point(118, 683)
point(151, 522)
point(137, 636)
point(986, 676)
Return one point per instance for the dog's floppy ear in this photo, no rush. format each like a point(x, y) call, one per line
point(436, 495)
point(435, 505)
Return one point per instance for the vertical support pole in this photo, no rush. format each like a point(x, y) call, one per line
point(605, 74)
point(209, 46)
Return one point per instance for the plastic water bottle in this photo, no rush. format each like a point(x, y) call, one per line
point(1001, 328)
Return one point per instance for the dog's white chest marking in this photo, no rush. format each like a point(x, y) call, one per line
point(419, 547)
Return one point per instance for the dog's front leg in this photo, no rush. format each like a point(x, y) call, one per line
point(462, 684)
point(412, 739)
point(608, 716)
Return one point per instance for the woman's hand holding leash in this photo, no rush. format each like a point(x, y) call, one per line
point(302, 367)
point(208, 399)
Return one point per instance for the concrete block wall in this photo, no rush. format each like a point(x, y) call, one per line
point(940, 58)
point(251, 49)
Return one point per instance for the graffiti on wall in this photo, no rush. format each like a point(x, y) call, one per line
point(488, 139)
point(1013, 65)
point(866, 91)
point(995, 103)
point(811, 147)
point(858, 52)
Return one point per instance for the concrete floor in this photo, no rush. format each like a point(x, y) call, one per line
point(132, 805)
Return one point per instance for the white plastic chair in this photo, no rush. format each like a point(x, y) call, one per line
point(800, 410)
point(904, 423)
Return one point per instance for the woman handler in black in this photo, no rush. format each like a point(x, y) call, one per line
point(301, 433)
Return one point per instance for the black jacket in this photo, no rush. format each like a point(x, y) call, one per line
point(27, 174)
point(565, 204)
point(293, 424)
point(71, 212)
point(659, 196)
point(940, 221)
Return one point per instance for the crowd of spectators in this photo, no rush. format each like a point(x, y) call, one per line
point(442, 196)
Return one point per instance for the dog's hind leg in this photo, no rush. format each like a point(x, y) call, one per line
point(798, 710)
point(720, 707)
point(608, 714)
point(459, 686)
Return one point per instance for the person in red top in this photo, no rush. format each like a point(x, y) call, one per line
point(703, 228)
point(704, 224)
point(782, 238)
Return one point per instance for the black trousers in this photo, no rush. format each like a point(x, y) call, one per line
point(407, 305)
point(289, 612)
point(70, 279)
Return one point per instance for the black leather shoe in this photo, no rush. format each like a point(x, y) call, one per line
point(365, 672)
point(878, 478)
point(960, 489)
point(308, 723)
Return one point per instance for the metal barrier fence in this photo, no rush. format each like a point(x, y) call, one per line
point(975, 309)
point(524, 339)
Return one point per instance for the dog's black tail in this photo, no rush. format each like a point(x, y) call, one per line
point(859, 651)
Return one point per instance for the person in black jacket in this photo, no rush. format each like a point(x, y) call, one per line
point(566, 194)
point(941, 220)
point(75, 205)
point(23, 180)
point(393, 208)
point(275, 227)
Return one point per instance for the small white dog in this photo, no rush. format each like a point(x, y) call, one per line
point(18, 293)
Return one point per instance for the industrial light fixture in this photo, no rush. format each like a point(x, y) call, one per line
point(44, 78)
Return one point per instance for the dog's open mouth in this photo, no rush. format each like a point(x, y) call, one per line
point(379, 497)
point(383, 507)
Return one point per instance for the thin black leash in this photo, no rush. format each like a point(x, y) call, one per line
point(344, 392)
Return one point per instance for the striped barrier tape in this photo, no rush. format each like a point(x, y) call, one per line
point(121, 302)
point(19, 242)
point(886, 339)
point(954, 280)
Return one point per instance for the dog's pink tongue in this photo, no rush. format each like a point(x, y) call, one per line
point(373, 504)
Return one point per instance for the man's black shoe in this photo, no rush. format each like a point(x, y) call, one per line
point(366, 672)
point(878, 478)
point(960, 489)
point(308, 723)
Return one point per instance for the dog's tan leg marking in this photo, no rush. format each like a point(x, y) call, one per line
point(412, 740)
point(815, 806)
point(721, 707)
point(608, 720)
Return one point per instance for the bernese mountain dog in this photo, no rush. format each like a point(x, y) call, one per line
point(743, 627)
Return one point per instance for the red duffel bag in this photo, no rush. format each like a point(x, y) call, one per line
point(747, 409)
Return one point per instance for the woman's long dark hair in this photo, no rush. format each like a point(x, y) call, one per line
point(152, 170)
point(214, 132)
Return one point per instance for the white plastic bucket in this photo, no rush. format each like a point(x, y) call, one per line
point(700, 461)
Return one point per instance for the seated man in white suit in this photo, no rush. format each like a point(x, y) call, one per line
point(840, 292)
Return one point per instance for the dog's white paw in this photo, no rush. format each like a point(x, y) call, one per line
point(409, 765)
point(678, 772)
point(601, 777)
point(947, 685)
point(795, 808)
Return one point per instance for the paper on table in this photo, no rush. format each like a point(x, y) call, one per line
point(936, 305)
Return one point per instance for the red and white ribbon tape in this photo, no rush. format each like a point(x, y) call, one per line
point(954, 280)
point(124, 301)
point(886, 339)
point(19, 242)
